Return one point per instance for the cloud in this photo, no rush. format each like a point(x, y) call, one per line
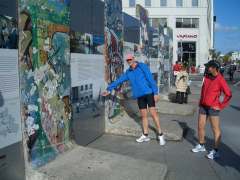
point(222, 28)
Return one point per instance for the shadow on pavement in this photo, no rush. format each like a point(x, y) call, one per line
point(235, 107)
point(228, 157)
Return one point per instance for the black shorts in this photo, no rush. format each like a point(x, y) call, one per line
point(146, 101)
point(208, 111)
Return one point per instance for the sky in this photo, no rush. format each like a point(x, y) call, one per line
point(227, 28)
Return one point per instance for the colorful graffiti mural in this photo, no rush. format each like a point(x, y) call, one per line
point(113, 51)
point(44, 58)
point(142, 14)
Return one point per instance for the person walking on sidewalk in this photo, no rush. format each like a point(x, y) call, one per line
point(182, 85)
point(145, 90)
point(210, 105)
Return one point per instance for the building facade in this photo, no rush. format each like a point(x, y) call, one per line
point(235, 56)
point(191, 21)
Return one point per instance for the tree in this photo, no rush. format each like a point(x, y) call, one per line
point(227, 58)
point(214, 54)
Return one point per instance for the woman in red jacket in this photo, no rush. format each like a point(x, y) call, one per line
point(210, 105)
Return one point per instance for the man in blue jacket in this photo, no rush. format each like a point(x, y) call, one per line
point(145, 90)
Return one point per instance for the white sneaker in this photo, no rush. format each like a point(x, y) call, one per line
point(143, 138)
point(162, 141)
point(199, 148)
point(213, 154)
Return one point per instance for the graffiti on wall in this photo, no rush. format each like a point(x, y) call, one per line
point(113, 50)
point(44, 58)
point(142, 14)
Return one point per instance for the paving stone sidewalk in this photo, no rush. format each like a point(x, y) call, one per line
point(83, 163)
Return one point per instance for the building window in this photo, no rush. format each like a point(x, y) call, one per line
point(188, 52)
point(81, 89)
point(187, 23)
point(132, 3)
point(179, 23)
point(91, 86)
point(147, 2)
point(87, 100)
point(163, 3)
point(75, 94)
point(195, 23)
point(179, 3)
point(86, 87)
point(195, 3)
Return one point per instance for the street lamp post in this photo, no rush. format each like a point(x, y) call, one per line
point(181, 49)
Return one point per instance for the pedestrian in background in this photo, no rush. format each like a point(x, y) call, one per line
point(176, 69)
point(222, 69)
point(231, 71)
point(182, 85)
point(193, 69)
point(145, 90)
point(210, 106)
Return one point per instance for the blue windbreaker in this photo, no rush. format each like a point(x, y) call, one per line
point(141, 81)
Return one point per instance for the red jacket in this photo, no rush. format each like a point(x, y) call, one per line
point(211, 92)
point(176, 67)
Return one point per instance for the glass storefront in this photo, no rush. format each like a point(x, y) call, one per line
point(187, 52)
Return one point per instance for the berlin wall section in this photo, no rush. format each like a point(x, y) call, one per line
point(11, 149)
point(63, 67)
point(87, 69)
point(44, 65)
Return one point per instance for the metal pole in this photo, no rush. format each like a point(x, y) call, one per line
point(181, 51)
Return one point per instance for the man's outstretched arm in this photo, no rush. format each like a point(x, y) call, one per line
point(115, 84)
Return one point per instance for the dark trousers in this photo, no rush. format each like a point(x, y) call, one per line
point(231, 76)
point(181, 97)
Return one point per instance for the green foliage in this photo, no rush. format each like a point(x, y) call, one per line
point(226, 58)
point(215, 54)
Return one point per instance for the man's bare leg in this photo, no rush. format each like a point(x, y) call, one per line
point(144, 120)
point(156, 118)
